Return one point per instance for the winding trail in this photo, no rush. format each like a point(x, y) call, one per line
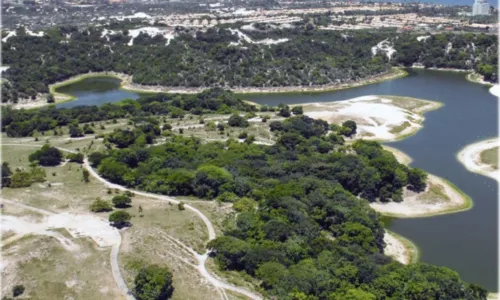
point(202, 258)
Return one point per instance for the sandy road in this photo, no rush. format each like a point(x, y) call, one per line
point(211, 235)
point(120, 282)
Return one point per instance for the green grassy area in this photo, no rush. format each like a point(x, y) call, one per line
point(413, 104)
point(435, 193)
point(490, 157)
point(400, 128)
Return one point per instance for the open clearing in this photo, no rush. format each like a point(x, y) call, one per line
point(481, 157)
point(383, 118)
point(163, 234)
point(46, 257)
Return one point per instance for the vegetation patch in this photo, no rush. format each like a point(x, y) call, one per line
point(490, 157)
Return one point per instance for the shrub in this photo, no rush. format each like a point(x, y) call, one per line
point(297, 110)
point(17, 290)
point(47, 156)
point(100, 205)
point(120, 218)
point(121, 201)
point(153, 283)
point(75, 157)
point(237, 121)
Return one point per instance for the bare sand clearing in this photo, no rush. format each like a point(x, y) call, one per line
point(77, 225)
point(384, 118)
point(399, 249)
point(470, 157)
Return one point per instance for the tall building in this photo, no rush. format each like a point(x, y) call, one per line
point(480, 7)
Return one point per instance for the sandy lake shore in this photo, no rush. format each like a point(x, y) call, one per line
point(381, 118)
point(470, 157)
point(440, 197)
point(400, 248)
point(495, 90)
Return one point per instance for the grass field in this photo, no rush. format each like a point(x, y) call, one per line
point(490, 157)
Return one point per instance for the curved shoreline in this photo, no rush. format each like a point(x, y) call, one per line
point(411, 207)
point(470, 157)
point(400, 248)
point(126, 84)
point(375, 126)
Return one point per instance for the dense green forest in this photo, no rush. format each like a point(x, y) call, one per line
point(206, 58)
point(304, 226)
point(20, 123)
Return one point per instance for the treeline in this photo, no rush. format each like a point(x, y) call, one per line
point(303, 225)
point(20, 123)
point(205, 59)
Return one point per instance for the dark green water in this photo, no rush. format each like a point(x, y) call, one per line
point(466, 241)
point(95, 91)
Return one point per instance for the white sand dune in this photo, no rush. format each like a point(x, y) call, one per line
point(375, 116)
point(470, 157)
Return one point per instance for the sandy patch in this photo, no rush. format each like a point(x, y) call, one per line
point(376, 117)
point(246, 38)
point(470, 157)
point(495, 90)
point(384, 47)
point(397, 249)
point(425, 204)
point(77, 225)
point(152, 32)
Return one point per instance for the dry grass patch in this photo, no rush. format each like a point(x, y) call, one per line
point(490, 157)
point(149, 241)
point(48, 271)
point(434, 193)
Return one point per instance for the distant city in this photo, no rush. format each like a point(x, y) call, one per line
point(403, 16)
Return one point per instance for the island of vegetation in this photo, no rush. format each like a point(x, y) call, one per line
point(299, 191)
point(259, 58)
point(481, 157)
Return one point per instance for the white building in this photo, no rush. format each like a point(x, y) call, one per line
point(480, 7)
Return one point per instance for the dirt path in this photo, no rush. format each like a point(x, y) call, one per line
point(211, 235)
point(115, 269)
